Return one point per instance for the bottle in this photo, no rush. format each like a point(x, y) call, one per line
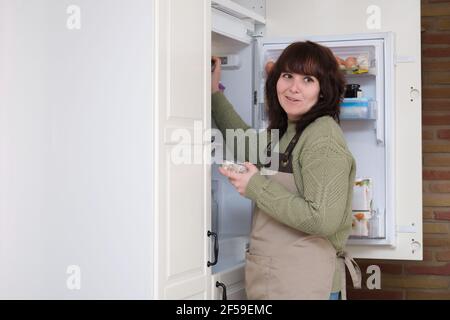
point(351, 90)
point(359, 94)
point(374, 225)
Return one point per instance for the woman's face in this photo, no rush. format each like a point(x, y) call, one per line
point(297, 93)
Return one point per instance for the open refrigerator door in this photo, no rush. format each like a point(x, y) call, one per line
point(366, 62)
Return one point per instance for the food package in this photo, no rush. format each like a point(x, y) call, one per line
point(351, 63)
point(360, 223)
point(363, 62)
point(356, 64)
point(235, 167)
point(341, 63)
point(362, 194)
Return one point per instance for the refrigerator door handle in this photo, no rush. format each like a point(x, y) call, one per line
point(216, 249)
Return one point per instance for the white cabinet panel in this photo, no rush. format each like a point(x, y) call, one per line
point(185, 217)
point(185, 29)
point(182, 208)
point(234, 281)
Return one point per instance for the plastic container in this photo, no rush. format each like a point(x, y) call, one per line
point(362, 194)
point(356, 108)
point(360, 223)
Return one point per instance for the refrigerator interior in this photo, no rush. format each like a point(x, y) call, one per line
point(231, 212)
point(363, 120)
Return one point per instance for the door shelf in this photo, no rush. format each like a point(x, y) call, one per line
point(358, 109)
point(368, 225)
point(371, 74)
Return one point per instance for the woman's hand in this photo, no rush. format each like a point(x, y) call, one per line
point(215, 75)
point(240, 180)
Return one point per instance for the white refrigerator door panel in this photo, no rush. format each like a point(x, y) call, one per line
point(318, 19)
point(76, 150)
point(365, 138)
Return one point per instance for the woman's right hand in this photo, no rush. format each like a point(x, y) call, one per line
point(215, 75)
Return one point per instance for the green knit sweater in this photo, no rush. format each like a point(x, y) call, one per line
point(324, 173)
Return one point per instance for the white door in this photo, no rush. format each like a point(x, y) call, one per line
point(182, 178)
point(300, 19)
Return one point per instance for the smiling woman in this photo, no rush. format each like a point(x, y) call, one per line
point(308, 72)
point(297, 94)
point(302, 216)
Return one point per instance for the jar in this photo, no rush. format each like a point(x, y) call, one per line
point(351, 90)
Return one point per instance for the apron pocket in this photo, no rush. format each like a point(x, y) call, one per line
point(305, 271)
point(305, 280)
point(257, 274)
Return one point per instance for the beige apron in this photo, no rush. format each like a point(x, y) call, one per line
point(285, 263)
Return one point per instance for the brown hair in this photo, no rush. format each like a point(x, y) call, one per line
point(306, 58)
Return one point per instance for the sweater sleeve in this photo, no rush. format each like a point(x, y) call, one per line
point(325, 170)
point(224, 114)
point(243, 140)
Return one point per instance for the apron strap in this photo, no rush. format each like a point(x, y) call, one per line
point(285, 157)
point(353, 269)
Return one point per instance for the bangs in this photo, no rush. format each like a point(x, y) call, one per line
point(301, 59)
point(307, 59)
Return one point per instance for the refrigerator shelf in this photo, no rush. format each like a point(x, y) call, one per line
point(366, 238)
point(236, 10)
point(372, 73)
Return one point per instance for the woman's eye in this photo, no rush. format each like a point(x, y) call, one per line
point(308, 79)
point(286, 75)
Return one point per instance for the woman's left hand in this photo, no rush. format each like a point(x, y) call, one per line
point(240, 180)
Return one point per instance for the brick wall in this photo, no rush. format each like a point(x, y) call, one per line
point(428, 279)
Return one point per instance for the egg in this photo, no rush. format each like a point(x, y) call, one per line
point(351, 63)
point(359, 216)
point(269, 66)
point(339, 60)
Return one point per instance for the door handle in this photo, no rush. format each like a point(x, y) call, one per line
point(224, 288)
point(216, 249)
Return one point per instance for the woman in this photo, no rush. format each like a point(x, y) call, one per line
point(302, 216)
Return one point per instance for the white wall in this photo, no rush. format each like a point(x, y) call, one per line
point(76, 126)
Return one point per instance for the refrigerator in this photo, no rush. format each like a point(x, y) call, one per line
point(372, 114)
